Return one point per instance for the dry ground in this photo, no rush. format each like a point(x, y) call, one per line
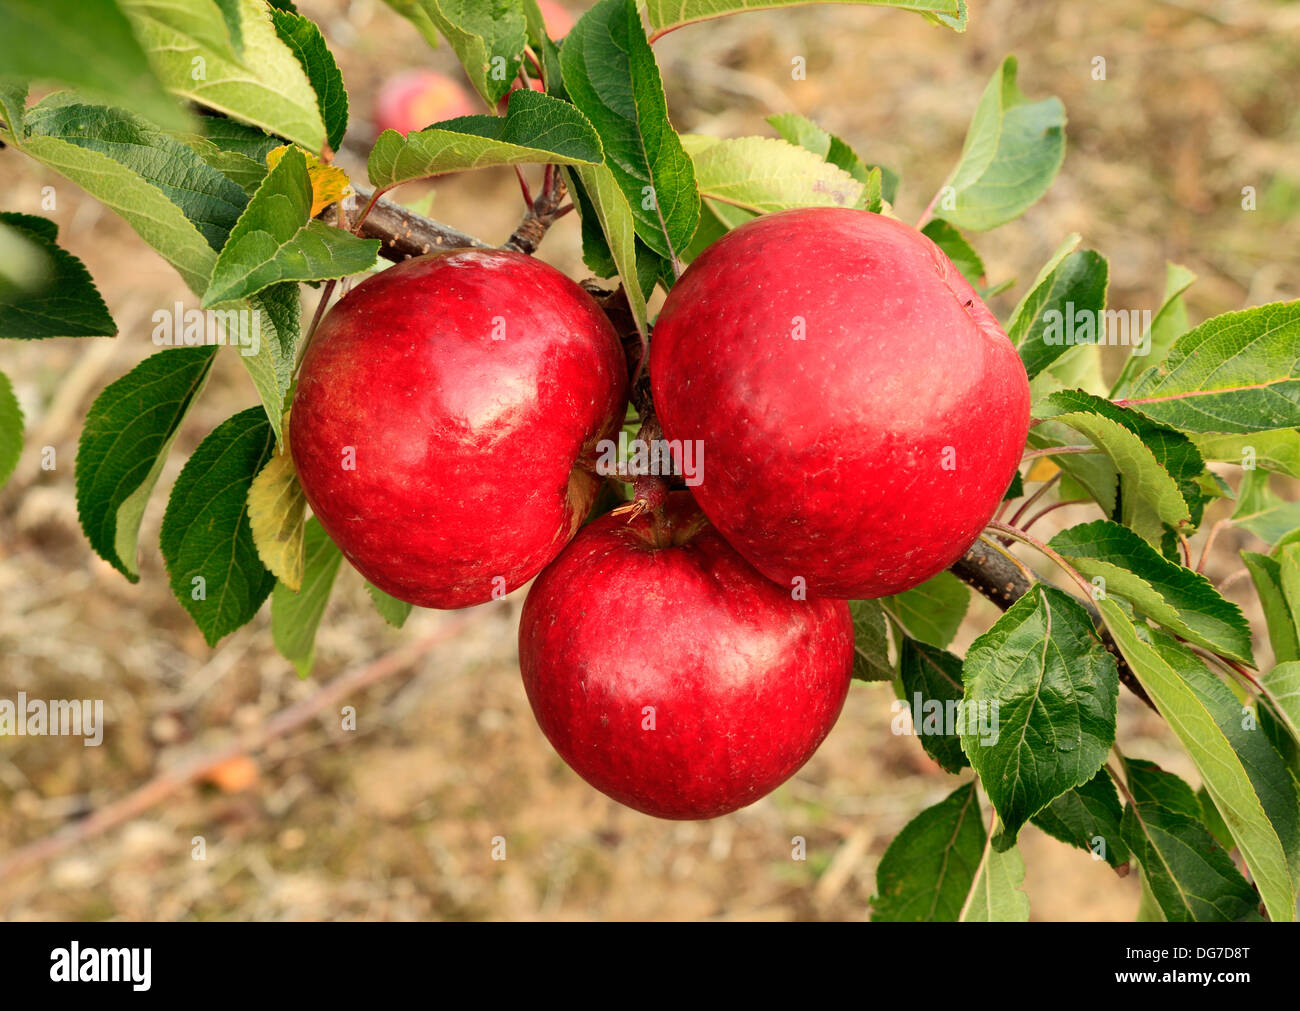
point(396, 820)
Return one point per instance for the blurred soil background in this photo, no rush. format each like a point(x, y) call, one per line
point(396, 820)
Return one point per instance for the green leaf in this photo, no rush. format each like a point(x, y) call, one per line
point(1277, 451)
point(308, 46)
point(1282, 691)
point(392, 610)
point(1169, 322)
point(270, 366)
point(1149, 910)
point(275, 240)
point(870, 642)
point(536, 128)
point(807, 134)
point(611, 75)
point(234, 26)
point(1283, 628)
point(611, 211)
point(1149, 785)
point(239, 169)
point(1090, 474)
point(87, 45)
point(873, 199)
point(487, 36)
point(145, 208)
point(189, 47)
point(957, 249)
point(296, 616)
point(60, 298)
point(1188, 873)
point(929, 868)
point(1213, 820)
point(762, 174)
point(1155, 464)
point(210, 200)
point(1261, 511)
point(596, 252)
point(1044, 672)
point(13, 105)
point(1239, 372)
point(933, 611)
point(1088, 817)
point(1183, 601)
point(666, 15)
point(240, 138)
point(1067, 246)
point(1174, 451)
point(1271, 785)
point(128, 433)
point(1061, 311)
point(998, 896)
point(1240, 777)
point(1013, 151)
point(206, 539)
point(931, 680)
point(11, 429)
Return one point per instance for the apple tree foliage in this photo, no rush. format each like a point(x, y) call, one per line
point(209, 128)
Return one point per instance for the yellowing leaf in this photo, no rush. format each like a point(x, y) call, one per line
point(329, 184)
point(1042, 470)
point(276, 509)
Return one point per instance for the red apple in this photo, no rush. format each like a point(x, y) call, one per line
point(558, 21)
point(862, 410)
point(672, 676)
point(446, 420)
point(418, 98)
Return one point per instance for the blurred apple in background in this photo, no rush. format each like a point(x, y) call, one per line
point(558, 20)
point(417, 98)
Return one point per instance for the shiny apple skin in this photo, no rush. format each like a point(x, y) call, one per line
point(868, 456)
point(474, 457)
point(745, 681)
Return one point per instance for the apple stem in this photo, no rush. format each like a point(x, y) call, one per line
point(1025, 570)
point(1016, 534)
point(325, 294)
point(541, 214)
point(1043, 490)
point(523, 186)
point(1047, 509)
point(1033, 454)
point(1209, 542)
point(928, 213)
point(365, 211)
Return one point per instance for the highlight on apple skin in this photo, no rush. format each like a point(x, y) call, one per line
point(671, 675)
point(862, 410)
point(446, 421)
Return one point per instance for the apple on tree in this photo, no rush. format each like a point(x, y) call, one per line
point(446, 420)
point(415, 99)
point(671, 675)
point(862, 409)
point(558, 21)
